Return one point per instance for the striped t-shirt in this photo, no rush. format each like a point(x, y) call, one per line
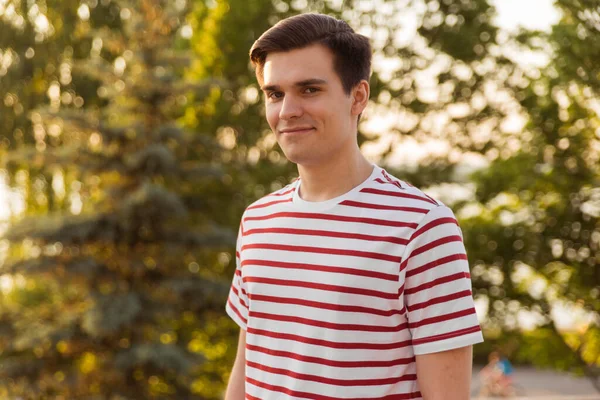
point(337, 297)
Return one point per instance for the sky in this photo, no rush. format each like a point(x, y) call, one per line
point(531, 14)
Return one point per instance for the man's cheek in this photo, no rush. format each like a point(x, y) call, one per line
point(272, 119)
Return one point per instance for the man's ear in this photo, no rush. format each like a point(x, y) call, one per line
point(360, 97)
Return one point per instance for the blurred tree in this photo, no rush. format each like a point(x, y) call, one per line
point(37, 44)
point(452, 77)
point(536, 242)
point(115, 298)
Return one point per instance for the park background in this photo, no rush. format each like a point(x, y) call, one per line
point(132, 137)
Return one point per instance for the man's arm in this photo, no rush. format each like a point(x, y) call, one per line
point(237, 379)
point(445, 375)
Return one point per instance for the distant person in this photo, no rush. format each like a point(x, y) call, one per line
point(496, 376)
point(350, 283)
point(506, 380)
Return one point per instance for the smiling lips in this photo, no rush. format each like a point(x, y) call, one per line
point(300, 129)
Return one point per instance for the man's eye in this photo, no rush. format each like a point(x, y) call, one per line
point(311, 90)
point(275, 95)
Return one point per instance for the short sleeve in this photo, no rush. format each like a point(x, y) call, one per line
point(437, 286)
point(237, 302)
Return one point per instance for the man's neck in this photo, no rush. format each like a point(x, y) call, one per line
point(333, 178)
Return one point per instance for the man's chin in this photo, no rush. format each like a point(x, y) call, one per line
point(304, 160)
point(296, 157)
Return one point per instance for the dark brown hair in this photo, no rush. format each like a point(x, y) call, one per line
point(351, 51)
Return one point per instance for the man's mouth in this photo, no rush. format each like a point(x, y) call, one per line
point(299, 130)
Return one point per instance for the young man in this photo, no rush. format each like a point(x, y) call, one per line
point(350, 283)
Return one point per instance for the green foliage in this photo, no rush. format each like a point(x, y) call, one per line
point(115, 293)
point(461, 29)
point(540, 218)
point(135, 178)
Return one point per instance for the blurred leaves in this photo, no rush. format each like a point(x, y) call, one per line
point(109, 313)
point(136, 137)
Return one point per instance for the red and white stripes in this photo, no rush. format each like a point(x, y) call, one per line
point(338, 297)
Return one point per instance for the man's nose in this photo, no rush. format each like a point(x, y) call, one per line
point(290, 108)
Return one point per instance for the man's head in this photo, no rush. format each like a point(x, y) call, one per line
point(494, 356)
point(351, 51)
point(314, 71)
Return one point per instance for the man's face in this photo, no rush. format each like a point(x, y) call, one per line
point(306, 106)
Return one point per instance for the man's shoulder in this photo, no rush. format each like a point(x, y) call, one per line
point(393, 191)
point(285, 194)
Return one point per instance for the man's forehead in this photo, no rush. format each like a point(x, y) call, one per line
point(317, 52)
point(296, 77)
point(290, 67)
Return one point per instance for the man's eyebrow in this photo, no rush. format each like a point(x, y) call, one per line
point(306, 82)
